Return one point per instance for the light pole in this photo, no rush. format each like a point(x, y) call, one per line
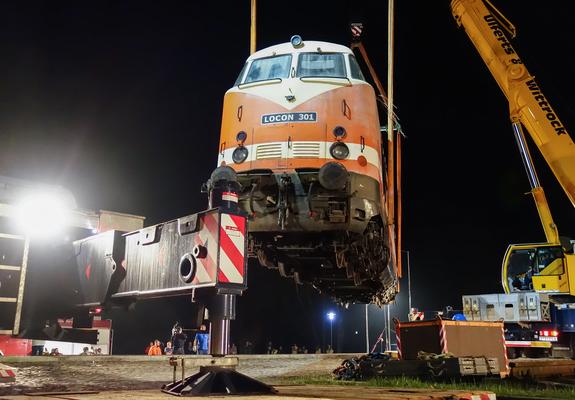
point(408, 280)
point(366, 329)
point(331, 317)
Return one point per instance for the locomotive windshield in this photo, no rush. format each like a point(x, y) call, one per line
point(355, 69)
point(241, 75)
point(309, 65)
point(269, 68)
point(321, 64)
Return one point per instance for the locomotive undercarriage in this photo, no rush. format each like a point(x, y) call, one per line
point(333, 239)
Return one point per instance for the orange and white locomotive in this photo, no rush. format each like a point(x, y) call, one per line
point(300, 128)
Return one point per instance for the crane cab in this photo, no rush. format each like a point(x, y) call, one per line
point(544, 268)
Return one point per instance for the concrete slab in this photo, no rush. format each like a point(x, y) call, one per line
point(192, 361)
point(141, 377)
point(80, 373)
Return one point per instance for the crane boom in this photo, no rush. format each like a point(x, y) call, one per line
point(545, 267)
point(486, 28)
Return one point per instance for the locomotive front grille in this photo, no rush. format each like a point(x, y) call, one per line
point(306, 150)
point(268, 150)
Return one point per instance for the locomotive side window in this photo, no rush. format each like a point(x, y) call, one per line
point(320, 65)
point(269, 68)
point(354, 69)
point(241, 75)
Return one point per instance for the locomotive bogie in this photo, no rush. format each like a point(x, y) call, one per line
point(312, 208)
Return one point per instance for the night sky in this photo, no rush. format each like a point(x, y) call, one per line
point(120, 102)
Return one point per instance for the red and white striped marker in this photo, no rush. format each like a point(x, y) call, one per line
point(7, 374)
point(356, 29)
point(417, 316)
point(206, 268)
point(232, 248)
point(230, 196)
point(481, 396)
point(397, 337)
point(442, 337)
point(505, 358)
point(226, 263)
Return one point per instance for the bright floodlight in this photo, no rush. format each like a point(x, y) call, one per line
point(331, 316)
point(42, 214)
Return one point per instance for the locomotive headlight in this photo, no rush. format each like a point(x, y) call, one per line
point(240, 154)
point(241, 137)
point(339, 151)
point(296, 41)
point(339, 132)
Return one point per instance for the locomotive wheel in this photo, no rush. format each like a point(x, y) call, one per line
point(284, 271)
point(297, 278)
point(357, 280)
point(349, 270)
point(264, 259)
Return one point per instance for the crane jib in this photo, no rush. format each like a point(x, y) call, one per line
point(545, 107)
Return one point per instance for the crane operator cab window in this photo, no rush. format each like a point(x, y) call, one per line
point(524, 263)
point(268, 68)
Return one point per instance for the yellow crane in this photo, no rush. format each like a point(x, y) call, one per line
point(544, 267)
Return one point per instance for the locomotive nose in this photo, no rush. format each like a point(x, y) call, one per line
point(333, 176)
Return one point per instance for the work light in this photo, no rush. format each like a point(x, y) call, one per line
point(42, 214)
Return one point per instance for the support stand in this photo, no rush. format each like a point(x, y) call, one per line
point(223, 189)
point(217, 380)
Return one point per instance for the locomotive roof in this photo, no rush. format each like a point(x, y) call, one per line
point(308, 46)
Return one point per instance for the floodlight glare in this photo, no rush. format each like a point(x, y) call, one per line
point(331, 316)
point(42, 214)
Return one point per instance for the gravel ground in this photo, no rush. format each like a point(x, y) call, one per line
point(130, 373)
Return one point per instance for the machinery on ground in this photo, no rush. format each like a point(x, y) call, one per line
point(38, 286)
point(538, 278)
point(59, 263)
point(534, 326)
point(300, 127)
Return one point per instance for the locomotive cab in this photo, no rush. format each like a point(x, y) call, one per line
point(300, 127)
